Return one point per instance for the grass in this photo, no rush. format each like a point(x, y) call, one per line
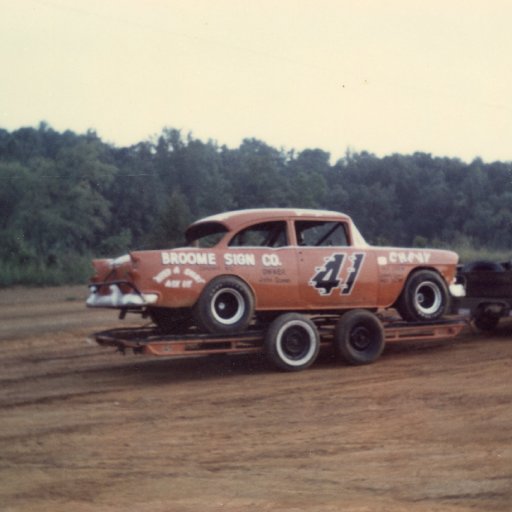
point(74, 270)
point(468, 253)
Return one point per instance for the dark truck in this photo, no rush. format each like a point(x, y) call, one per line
point(485, 292)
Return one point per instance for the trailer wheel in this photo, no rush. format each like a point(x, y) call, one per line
point(424, 297)
point(292, 342)
point(225, 306)
point(359, 337)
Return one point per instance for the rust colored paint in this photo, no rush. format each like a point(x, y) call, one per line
point(284, 275)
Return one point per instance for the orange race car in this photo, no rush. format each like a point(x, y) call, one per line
point(254, 264)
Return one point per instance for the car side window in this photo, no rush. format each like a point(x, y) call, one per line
point(266, 234)
point(321, 233)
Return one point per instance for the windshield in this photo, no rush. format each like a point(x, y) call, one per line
point(205, 235)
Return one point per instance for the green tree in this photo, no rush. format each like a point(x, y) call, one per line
point(306, 176)
point(171, 223)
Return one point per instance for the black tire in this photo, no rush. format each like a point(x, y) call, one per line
point(170, 320)
point(292, 342)
point(485, 321)
point(359, 337)
point(425, 297)
point(226, 305)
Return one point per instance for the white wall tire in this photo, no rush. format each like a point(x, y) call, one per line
point(425, 297)
point(226, 305)
point(292, 342)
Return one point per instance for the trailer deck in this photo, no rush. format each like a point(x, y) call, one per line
point(148, 340)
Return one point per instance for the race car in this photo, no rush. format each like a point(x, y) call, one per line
point(248, 266)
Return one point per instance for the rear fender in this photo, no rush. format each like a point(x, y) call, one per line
point(102, 269)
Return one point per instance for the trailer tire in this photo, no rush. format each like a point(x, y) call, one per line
point(292, 342)
point(226, 305)
point(359, 337)
point(425, 297)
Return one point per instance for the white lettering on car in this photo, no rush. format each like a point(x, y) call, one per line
point(194, 275)
point(271, 260)
point(188, 258)
point(169, 276)
point(172, 283)
point(243, 260)
point(411, 257)
point(163, 275)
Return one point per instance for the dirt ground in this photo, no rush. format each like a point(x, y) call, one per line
point(428, 427)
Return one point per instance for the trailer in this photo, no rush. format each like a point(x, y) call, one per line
point(486, 293)
point(291, 342)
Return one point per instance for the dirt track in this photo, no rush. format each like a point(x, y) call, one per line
point(426, 428)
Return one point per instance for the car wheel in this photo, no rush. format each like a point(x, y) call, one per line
point(292, 342)
point(226, 305)
point(425, 297)
point(359, 337)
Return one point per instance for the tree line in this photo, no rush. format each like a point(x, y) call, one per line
point(65, 197)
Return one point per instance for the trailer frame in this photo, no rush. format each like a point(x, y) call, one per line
point(150, 341)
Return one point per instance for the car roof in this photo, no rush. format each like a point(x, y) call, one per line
point(237, 218)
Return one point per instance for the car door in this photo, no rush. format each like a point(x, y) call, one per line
point(262, 255)
point(332, 272)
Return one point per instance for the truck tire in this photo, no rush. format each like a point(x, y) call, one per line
point(226, 305)
point(359, 337)
point(486, 321)
point(292, 342)
point(425, 297)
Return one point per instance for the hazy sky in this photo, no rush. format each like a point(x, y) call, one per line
point(382, 76)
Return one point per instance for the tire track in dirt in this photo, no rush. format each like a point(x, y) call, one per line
point(426, 428)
